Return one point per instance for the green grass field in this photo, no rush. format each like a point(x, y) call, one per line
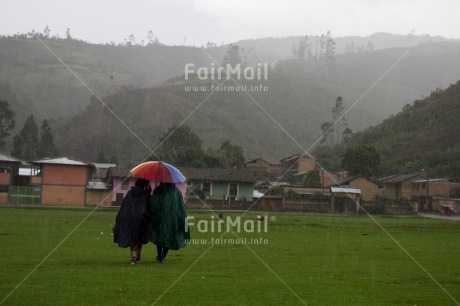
point(303, 259)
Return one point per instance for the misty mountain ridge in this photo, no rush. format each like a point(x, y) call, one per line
point(43, 84)
point(301, 93)
point(277, 48)
point(284, 120)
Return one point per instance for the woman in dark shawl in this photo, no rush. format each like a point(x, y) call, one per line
point(133, 218)
point(167, 228)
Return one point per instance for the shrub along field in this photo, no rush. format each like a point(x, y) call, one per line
point(67, 257)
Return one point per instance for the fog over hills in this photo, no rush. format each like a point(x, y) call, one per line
point(377, 77)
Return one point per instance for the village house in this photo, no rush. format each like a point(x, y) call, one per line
point(369, 188)
point(298, 163)
point(262, 168)
point(432, 193)
point(327, 177)
point(399, 186)
point(219, 184)
point(99, 188)
point(9, 170)
point(62, 181)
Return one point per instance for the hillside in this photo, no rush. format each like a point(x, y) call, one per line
point(273, 49)
point(34, 72)
point(284, 120)
point(423, 136)
point(281, 121)
point(37, 81)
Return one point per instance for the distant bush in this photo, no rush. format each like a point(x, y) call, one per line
point(276, 191)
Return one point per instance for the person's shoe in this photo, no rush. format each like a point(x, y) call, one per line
point(134, 255)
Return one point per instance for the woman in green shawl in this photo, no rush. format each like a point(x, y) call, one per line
point(167, 229)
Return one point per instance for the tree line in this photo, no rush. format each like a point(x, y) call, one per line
point(180, 146)
point(150, 39)
point(30, 142)
point(302, 49)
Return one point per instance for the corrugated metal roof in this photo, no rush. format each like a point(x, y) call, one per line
point(6, 158)
point(387, 177)
point(430, 180)
point(345, 190)
point(222, 175)
point(60, 161)
point(346, 180)
point(103, 165)
point(255, 159)
point(398, 178)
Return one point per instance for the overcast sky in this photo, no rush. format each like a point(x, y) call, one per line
point(200, 21)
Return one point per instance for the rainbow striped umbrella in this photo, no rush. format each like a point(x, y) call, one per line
point(158, 171)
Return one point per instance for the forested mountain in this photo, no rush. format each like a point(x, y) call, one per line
point(425, 135)
point(35, 78)
point(53, 78)
point(272, 124)
point(56, 79)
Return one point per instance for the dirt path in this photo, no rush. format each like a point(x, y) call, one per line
point(437, 216)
